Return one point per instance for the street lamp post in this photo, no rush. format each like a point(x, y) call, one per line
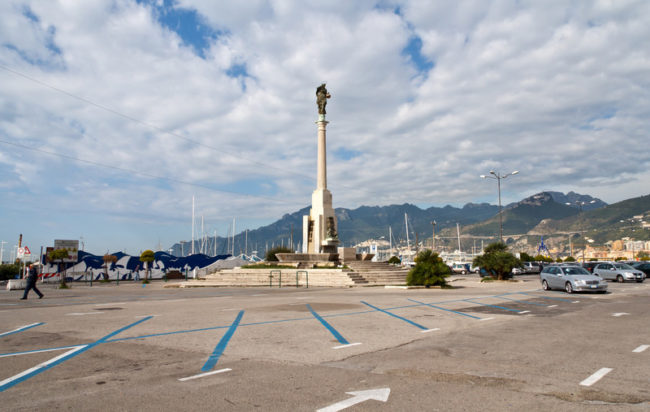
point(433, 238)
point(497, 176)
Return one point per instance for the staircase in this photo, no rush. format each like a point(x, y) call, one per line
point(377, 273)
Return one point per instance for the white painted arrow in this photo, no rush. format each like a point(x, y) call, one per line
point(618, 315)
point(358, 397)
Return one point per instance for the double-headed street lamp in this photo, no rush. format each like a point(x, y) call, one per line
point(498, 177)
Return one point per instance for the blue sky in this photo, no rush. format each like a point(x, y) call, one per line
point(115, 113)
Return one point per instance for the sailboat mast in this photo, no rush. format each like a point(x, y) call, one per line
point(458, 234)
point(192, 224)
point(408, 245)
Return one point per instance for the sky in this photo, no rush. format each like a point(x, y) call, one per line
point(115, 114)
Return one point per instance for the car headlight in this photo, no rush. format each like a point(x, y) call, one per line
point(580, 282)
point(629, 274)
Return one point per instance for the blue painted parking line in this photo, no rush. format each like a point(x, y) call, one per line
point(493, 306)
point(520, 301)
point(329, 327)
point(448, 310)
point(545, 297)
point(221, 346)
point(396, 316)
point(29, 373)
point(22, 328)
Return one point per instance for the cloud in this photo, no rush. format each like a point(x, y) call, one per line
point(160, 101)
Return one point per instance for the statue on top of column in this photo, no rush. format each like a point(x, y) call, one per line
point(321, 98)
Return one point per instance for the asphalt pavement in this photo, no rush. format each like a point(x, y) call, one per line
point(479, 346)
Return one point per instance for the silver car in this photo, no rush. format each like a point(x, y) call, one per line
point(620, 272)
point(571, 279)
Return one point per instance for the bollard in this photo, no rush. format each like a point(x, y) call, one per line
point(279, 272)
point(306, 276)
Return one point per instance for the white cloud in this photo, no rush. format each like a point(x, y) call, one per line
point(557, 91)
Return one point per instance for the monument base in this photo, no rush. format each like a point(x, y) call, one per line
point(308, 258)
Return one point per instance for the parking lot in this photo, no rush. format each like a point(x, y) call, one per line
point(479, 346)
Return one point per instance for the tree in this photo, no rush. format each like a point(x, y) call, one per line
point(429, 270)
point(618, 259)
point(497, 260)
point(542, 258)
point(569, 259)
point(525, 257)
point(270, 255)
point(9, 271)
point(394, 260)
point(57, 256)
point(147, 257)
point(108, 259)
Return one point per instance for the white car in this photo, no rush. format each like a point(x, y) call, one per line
point(619, 272)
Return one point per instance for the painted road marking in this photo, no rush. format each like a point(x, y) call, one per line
point(221, 346)
point(524, 311)
point(25, 374)
point(83, 313)
point(22, 328)
point(329, 327)
point(263, 294)
point(641, 348)
point(487, 318)
point(596, 377)
point(396, 316)
point(200, 375)
point(346, 346)
point(448, 310)
point(493, 306)
point(546, 297)
point(618, 315)
point(575, 301)
point(6, 355)
point(521, 301)
point(358, 397)
point(553, 306)
point(16, 379)
point(429, 330)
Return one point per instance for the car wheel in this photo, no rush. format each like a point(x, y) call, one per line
point(462, 272)
point(545, 285)
point(620, 279)
point(568, 287)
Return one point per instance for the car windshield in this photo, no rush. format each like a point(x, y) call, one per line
point(623, 266)
point(574, 270)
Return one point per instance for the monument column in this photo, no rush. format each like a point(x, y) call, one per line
point(320, 227)
point(321, 182)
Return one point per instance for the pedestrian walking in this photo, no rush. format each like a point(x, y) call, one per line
point(32, 277)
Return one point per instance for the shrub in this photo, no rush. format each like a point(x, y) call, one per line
point(394, 260)
point(270, 255)
point(570, 259)
point(429, 270)
point(9, 271)
point(496, 259)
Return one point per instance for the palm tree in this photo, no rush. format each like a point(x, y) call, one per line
point(147, 257)
point(57, 256)
point(108, 259)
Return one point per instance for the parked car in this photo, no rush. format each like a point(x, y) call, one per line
point(591, 265)
point(619, 272)
point(571, 279)
point(643, 267)
point(532, 267)
point(459, 268)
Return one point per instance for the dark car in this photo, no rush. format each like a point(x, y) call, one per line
point(590, 265)
point(642, 266)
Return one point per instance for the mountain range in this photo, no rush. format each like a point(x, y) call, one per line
point(544, 213)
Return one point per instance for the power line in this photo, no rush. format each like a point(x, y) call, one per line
point(137, 172)
point(152, 126)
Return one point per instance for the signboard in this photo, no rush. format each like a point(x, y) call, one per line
point(23, 252)
point(72, 246)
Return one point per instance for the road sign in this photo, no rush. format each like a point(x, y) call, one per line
point(72, 246)
point(21, 252)
point(27, 252)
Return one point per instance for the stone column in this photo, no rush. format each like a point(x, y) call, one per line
point(321, 182)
